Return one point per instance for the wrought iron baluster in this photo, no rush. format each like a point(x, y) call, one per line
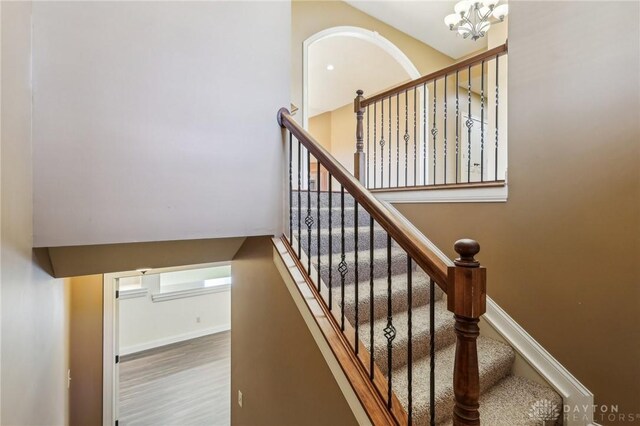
point(375, 127)
point(371, 311)
point(389, 330)
point(397, 139)
point(355, 273)
point(434, 130)
point(318, 216)
point(410, 341)
point(330, 265)
point(406, 138)
point(457, 125)
point(308, 220)
point(415, 137)
point(445, 129)
point(432, 352)
point(496, 165)
point(368, 151)
point(290, 187)
point(382, 142)
point(482, 122)
point(389, 186)
point(469, 126)
point(424, 134)
point(299, 198)
point(342, 267)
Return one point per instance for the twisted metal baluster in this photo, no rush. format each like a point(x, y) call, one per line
point(375, 127)
point(389, 330)
point(457, 126)
point(482, 122)
point(355, 272)
point(424, 134)
point(368, 151)
point(397, 139)
point(434, 131)
point(406, 138)
point(308, 220)
point(299, 198)
point(330, 266)
point(318, 216)
point(432, 353)
point(389, 142)
point(410, 341)
point(382, 142)
point(290, 187)
point(415, 138)
point(496, 165)
point(371, 310)
point(445, 129)
point(469, 126)
point(342, 267)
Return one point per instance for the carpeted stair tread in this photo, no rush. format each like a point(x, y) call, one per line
point(511, 403)
point(398, 265)
point(420, 296)
point(495, 361)
point(379, 239)
point(420, 327)
point(336, 218)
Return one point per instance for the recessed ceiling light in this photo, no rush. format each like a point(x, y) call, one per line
point(329, 67)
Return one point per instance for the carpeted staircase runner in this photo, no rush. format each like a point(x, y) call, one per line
point(506, 400)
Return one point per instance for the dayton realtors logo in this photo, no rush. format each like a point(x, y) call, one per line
point(544, 410)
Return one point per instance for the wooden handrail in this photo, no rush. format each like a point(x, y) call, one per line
point(407, 238)
point(496, 51)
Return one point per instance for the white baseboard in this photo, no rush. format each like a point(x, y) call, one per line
point(574, 394)
point(128, 350)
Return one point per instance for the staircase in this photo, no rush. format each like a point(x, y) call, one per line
point(505, 399)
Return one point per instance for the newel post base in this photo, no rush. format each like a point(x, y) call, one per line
point(360, 157)
point(466, 298)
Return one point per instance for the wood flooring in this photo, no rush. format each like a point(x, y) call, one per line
point(183, 384)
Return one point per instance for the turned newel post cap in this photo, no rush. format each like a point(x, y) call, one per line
point(467, 249)
point(359, 92)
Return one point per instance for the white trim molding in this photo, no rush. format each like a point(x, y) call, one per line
point(574, 394)
point(133, 293)
point(192, 292)
point(493, 194)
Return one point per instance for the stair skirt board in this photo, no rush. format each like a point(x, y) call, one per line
point(495, 357)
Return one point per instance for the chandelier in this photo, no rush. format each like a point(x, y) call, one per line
point(472, 19)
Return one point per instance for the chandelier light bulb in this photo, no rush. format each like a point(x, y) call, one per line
point(473, 19)
point(501, 11)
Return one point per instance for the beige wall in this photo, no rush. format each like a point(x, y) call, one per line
point(311, 17)
point(275, 362)
point(85, 354)
point(562, 253)
point(34, 316)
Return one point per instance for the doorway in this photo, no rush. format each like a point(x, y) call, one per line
point(167, 346)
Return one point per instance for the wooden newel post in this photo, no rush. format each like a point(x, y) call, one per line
point(466, 298)
point(359, 158)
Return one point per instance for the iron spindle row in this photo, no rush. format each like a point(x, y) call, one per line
point(389, 331)
point(355, 272)
point(371, 307)
point(433, 147)
point(330, 265)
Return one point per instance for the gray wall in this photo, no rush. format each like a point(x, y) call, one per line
point(562, 253)
point(34, 354)
point(157, 120)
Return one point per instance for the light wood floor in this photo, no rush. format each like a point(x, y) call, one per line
point(184, 384)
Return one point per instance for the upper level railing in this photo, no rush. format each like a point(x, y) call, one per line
point(442, 129)
point(363, 263)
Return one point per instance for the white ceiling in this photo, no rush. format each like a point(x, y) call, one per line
point(358, 64)
point(423, 20)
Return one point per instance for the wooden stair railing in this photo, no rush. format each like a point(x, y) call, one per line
point(463, 281)
point(423, 123)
